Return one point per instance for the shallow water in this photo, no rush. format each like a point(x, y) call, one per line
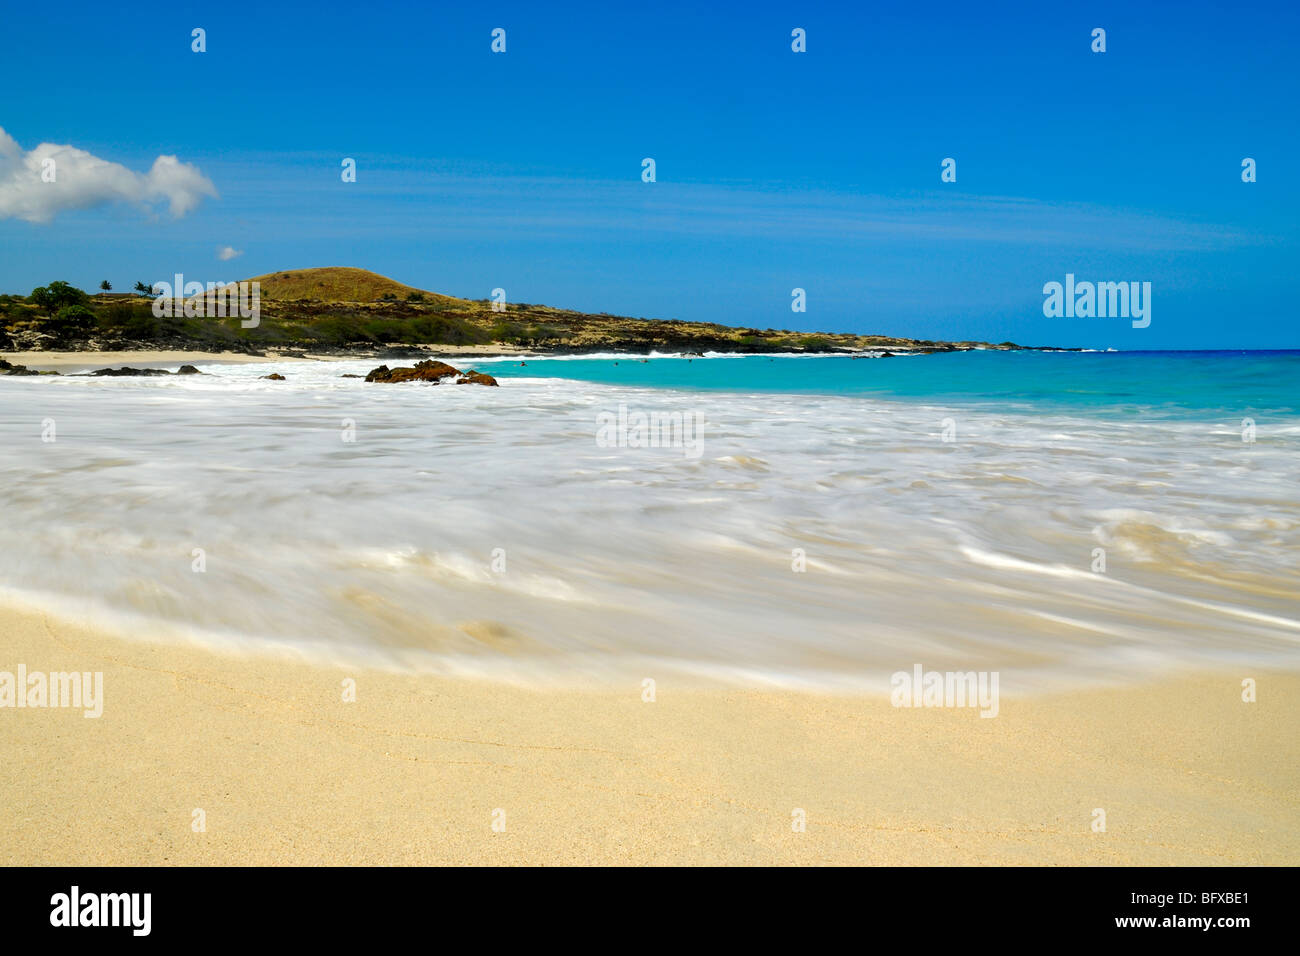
point(971, 553)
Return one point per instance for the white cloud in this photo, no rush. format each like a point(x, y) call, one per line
point(226, 253)
point(82, 180)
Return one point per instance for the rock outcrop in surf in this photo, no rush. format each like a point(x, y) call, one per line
point(429, 371)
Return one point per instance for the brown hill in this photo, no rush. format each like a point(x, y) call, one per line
point(340, 284)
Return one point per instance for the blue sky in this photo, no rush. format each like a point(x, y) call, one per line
point(775, 170)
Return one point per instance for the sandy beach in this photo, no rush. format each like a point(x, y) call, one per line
point(80, 361)
point(66, 362)
point(413, 771)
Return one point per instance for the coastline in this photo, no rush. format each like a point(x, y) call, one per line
point(83, 360)
point(287, 773)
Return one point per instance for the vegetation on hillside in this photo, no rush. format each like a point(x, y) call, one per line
point(352, 309)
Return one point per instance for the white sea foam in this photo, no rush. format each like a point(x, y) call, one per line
point(634, 561)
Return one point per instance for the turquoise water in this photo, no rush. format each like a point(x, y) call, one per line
point(1165, 384)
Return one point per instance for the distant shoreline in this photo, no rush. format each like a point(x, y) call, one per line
point(69, 361)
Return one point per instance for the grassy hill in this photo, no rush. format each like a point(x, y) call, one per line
point(339, 284)
point(346, 309)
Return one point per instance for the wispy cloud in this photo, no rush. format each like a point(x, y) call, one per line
point(38, 184)
point(440, 203)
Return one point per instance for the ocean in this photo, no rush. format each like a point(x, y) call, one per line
point(1060, 518)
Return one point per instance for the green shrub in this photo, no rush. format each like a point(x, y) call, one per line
point(71, 322)
point(117, 315)
point(57, 295)
point(141, 325)
point(814, 343)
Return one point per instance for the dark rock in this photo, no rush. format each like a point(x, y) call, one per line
point(188, 370)
point(349, 375)
point(275, 377)
point(124, 370)
point(426, 371)
point(8, 369)
point(476, 378)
